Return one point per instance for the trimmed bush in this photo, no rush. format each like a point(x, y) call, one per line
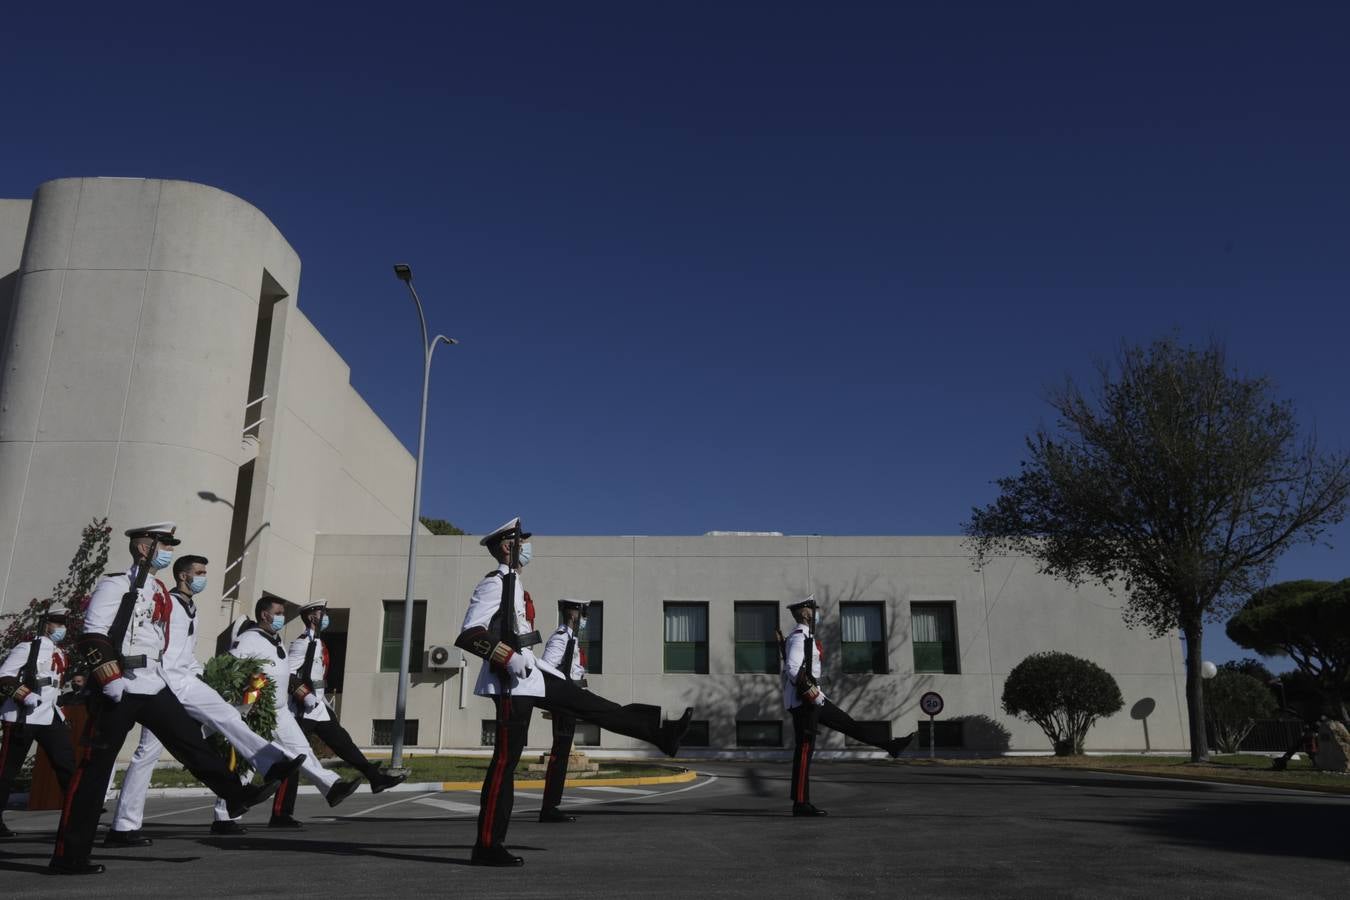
point(1062, 694)
point(1233, 703)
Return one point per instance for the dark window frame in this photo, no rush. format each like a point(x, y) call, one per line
point(410, 732)
point(924, 651)
point(864, 657)
point(394, 644)
point(766, 649)
point(759, 723)
point(697, 650)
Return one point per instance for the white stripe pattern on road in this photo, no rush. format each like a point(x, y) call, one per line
point(615, 790)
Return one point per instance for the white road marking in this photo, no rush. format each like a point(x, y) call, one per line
point(372, 809)
point(615, 790)
point(451, 805)
point(177, 812)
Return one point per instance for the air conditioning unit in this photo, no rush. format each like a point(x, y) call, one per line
point(442, 658)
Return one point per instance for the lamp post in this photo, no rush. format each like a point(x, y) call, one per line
point(404, 274)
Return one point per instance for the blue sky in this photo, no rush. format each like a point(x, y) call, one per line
point(780, 266)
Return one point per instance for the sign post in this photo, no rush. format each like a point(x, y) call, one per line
point(931, 703)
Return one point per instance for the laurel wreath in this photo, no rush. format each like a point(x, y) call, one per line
point(242, 683)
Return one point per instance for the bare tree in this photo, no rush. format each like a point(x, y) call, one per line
point(1179, 480)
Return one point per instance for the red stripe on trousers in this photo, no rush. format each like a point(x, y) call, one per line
point(278, 803)
point(485, 835)
point(73, 787)
point(801, 772)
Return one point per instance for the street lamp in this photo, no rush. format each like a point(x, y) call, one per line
point(404, 274)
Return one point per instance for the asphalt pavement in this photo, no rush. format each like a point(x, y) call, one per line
point(893, 830)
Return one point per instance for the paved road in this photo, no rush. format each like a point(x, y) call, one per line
point(893, 831)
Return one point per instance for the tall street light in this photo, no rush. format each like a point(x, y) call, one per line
point(404, 273)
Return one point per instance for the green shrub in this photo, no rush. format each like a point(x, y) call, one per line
point(1233, 703)
point(1062, 694)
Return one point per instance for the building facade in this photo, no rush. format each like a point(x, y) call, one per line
point(253, 440)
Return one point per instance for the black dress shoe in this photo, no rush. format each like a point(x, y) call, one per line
point(494, 856)
point(126, 839)
point(341, 790)
point(383, 781)
point(74, 868)
point(280, 771)
point(228, 828)
point(285, 822)
point(672, 732)
point(553, 814)
point(251, 796)
point(900, 745)
point(5, 832)
point(806, 809)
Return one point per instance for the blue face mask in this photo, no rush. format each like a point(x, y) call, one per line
point(198, 584)
point(162, 559)
point(323, 623)
point(58, 635)
point(278, 623)
point(526, 554)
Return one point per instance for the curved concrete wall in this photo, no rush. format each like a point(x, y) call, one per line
point(126, 367)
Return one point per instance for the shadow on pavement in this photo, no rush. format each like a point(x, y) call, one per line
point(1271, 829)
point(352, 848)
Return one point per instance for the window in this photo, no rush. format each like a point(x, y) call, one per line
point(759, 734)
point(864, 644)
point(487, 736)
point(382, 732)
point(591, 639)
point(687, 638)
point(881, 727)
point(697, 735)
point(934, 632)
point(948, 734)
point(391, 643)
point(587, 735)
point(756, 647)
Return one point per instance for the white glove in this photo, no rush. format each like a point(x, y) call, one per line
point(518, 665)
point(311, 701)
point(819, 699)
point(32, 700)
point(115, 689)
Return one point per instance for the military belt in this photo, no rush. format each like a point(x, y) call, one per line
point(318, 685)
point(528, 640)
point(133, 662)
point(41, 683)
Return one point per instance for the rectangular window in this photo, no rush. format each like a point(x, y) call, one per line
point(687, 638)
point(587, 735)
point(934, 631)
point(591, 640)
point(382, 733)
point(697, 735)
point(759, 734)
point(391, 642)
point(487, 736)
point(863, 644)
point(884, 727)
point(756, 647)
point(949, 735)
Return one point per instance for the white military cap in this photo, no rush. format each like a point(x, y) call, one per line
point(810, 602)
point(163, 531)
point(56, 613)
point(501, 530)
point(567, 603)
point(321, 603)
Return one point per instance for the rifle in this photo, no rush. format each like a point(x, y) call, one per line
point(28, 678)
point(507, 610)
point(99, 650)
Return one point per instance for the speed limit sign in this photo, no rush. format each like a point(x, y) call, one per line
point(931, 703)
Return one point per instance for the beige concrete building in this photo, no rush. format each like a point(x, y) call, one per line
point(278, 471)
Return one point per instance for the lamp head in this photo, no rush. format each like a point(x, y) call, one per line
point(403, 271)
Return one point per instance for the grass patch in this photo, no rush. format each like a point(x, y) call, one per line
point(440, 768)
point(1241, 768)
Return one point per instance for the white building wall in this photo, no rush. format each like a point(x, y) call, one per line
point(1003, 614)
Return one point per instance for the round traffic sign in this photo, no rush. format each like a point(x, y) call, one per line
point(931, 703)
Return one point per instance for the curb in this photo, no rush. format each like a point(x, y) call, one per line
point(1194, 778)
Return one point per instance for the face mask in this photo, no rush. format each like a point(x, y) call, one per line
point(198, 584)
point(323, 623)
point(58, 635)
point(162, 559)
point(526, 554)
point(278, 622)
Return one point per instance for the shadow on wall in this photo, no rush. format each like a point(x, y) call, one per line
point(983, 734)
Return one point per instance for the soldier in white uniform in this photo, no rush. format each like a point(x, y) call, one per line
point(30, 683)
point(126, 628)
point(804, 699)
point(182, 671)
point(500, 633)
point(261, 640)
point(567, 699)
point(309, 662)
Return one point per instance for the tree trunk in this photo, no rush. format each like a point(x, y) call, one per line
point(1195, 694)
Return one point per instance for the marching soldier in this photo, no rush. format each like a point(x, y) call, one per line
point(308, 660)
point(125, 630)
point(261, 640)
point(30, 680)
point(497, 629)
point(567, 699)
point(182, 671)
point(810, 708)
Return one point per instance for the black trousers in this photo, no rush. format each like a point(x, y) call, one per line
point(499, 784)
point(54, 739)
point(555, 775)
point(341, 743)
point(806, 722)
point(635, 720)
point(181, 736)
